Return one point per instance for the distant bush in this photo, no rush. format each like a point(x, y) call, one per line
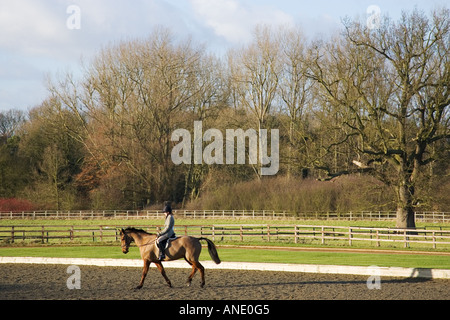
point(347, 193)
point(16, 205)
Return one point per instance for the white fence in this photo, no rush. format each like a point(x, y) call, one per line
point(224, 214)
point(307, 234)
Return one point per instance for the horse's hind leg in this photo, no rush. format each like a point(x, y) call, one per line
point(194, 270)
point(163, 273)
point(199, 267)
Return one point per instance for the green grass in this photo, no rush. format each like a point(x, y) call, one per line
point(89, 238)
point(336, 258)
point(248, 255)
point(69, 252)
point(112, 250)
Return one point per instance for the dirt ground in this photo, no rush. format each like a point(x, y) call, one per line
point(49, 282)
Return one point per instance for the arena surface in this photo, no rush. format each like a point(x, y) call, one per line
point(49, 282)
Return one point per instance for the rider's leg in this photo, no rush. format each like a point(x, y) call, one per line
point(161, 243)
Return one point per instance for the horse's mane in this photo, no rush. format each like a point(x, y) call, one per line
point(131, 229)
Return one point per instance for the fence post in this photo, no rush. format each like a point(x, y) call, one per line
point(378, 239)
point(43, 234)
point(406, 239)
point(349, 236)
point(12, 234)
point(268, 233)
point(296, 235)
point(241, 233)
point(434, 240)
point(323, 234)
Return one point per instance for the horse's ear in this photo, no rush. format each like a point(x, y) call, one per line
point(122, 231)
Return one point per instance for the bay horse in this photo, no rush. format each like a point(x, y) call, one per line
point(185, 247)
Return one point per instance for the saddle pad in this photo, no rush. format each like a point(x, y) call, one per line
point(174, 237)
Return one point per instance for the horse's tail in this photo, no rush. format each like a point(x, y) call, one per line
point(212, 250)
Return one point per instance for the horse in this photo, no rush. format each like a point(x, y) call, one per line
point(186, 247)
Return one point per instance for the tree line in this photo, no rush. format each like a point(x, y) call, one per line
point(372, 103)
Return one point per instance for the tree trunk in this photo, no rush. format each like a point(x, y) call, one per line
point(405, 218)
point(405, 207)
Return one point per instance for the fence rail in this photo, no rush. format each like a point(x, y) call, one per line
point(248, 233)
point(224, 214)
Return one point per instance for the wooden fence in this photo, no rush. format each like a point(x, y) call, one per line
point(237, 233)
point(224, 214)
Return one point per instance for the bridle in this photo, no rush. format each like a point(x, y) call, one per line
point(127, 243)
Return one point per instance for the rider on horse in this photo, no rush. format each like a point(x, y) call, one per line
point(167, 232)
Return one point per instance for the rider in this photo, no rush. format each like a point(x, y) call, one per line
point(167, 232)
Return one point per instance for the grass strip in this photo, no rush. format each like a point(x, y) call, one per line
point(248, 255)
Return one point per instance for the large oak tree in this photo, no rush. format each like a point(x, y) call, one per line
point(390, 88)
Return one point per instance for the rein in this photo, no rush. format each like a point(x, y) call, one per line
point(148, 243)
point(142, 245)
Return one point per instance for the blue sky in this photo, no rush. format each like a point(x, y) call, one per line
point(35, 41)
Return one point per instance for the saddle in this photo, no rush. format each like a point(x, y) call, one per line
point(166, 243)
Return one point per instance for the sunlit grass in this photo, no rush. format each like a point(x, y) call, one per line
point(248, 255)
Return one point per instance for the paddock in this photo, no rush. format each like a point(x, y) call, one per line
point(49, 282)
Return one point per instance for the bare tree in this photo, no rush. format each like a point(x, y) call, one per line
point(10, 121)
point(133, 96)
point(255, 73)
point(295, 92)
point(391, 86)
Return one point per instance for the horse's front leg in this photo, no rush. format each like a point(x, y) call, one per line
point(163, 272)
point(144, 273)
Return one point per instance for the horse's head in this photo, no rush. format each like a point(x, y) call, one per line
point(125, 241)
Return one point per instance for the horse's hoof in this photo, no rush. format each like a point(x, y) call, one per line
point(138, 288)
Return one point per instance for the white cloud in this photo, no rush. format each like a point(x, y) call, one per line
point(25, 25)
point(38, 27)
point(235, 20)
point(35, 40)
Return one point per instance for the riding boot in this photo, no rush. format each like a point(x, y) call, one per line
point(162, 255)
